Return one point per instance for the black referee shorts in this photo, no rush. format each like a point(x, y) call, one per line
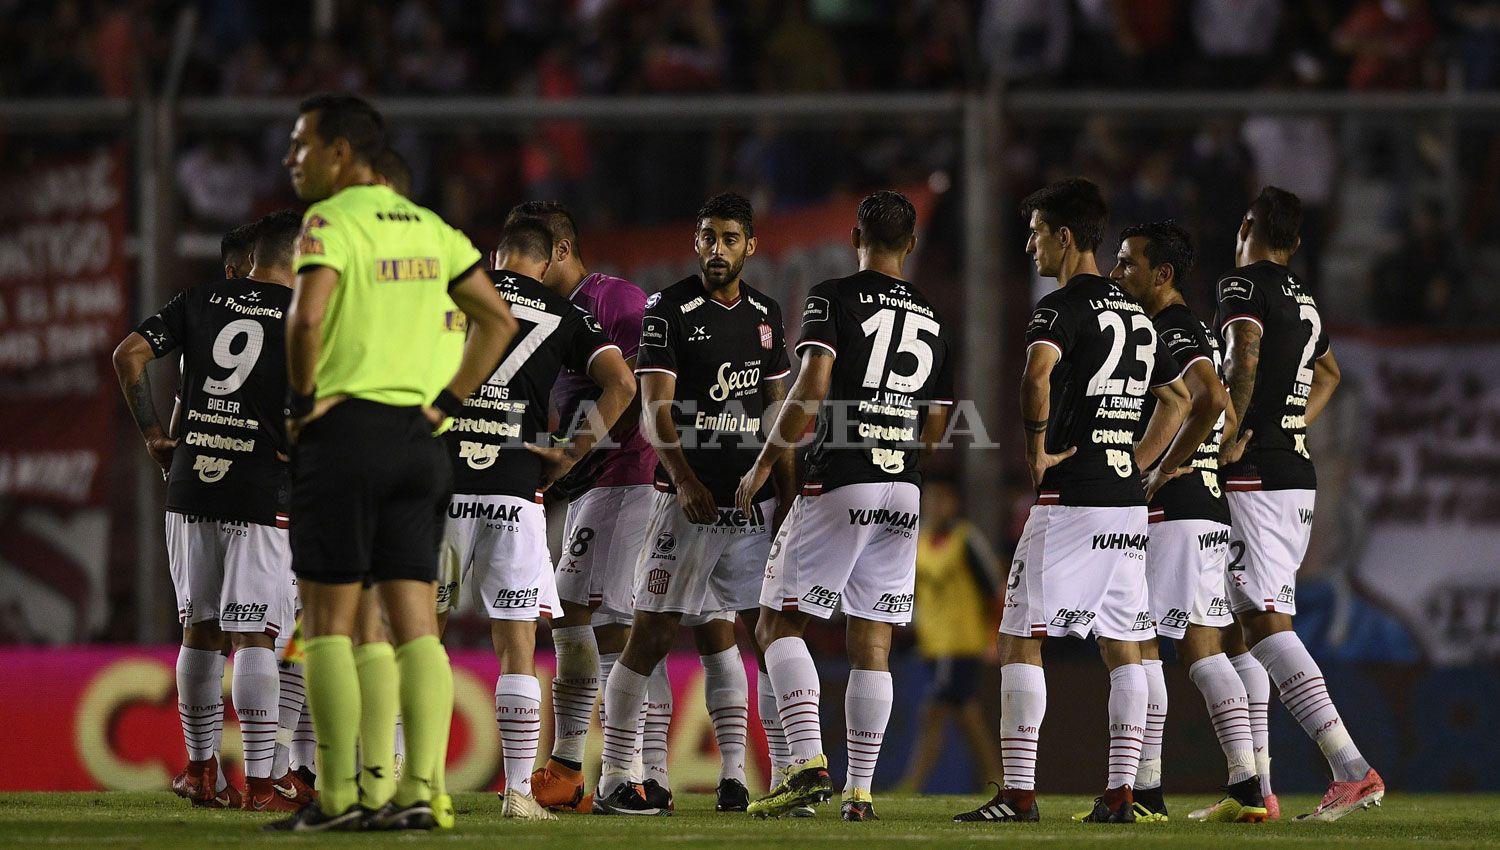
point(369, 488)
point(955, 679)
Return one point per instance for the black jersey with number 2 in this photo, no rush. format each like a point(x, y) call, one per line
point(891, 358)
point(233, 339)
point(1292, 337)
point(1109, 360)
point(721, 354)
point(486, 442)
point(1197, 493)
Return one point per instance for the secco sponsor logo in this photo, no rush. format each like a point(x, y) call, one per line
point(737, 381)
point(211, 469)
point(478, 455)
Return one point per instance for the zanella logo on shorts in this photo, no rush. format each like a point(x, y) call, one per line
point(898, 520)
point(822, 597)
point(211, 469)
point(244, 612)
point(515, 598)
point(479, 455)
point(1210, 539)
point(657, 581)
point(484, 510)
point(894, 603)
point(665, 543)
point(728, 380)
point(1120, 541)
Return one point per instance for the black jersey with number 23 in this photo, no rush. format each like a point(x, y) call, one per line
point(233, 339)
point(1109, 360)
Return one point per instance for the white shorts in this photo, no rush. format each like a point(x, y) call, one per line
point(702, 569)
point(1079, 570)
point(1266, 544)
point(855, 545)
point(602, 541)
point(497, 547)
point(1185, 560)
point(239, 573)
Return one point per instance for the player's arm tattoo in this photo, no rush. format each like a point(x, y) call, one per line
point(1241, 365)
point(1034, 426)
point(130, 360)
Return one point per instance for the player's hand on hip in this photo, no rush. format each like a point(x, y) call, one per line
point(1157, 477)
point(1040, 462)
point(434, 416)
point(750, 484)
point(1236, 448)
point(697, 502)
point(556, 461)
point(160, 449)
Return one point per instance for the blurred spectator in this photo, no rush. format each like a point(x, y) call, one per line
point(1421, 282)
point(1387, 40)
point(1025, 40)
point(939, 48)
point(799, 55)
point(431, 65)
point(1236, 38)
point(956, 616)
point(1297, 153)
point(252, 73)
point(217, 180)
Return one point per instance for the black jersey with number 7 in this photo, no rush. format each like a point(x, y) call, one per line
point(891, 359)
point(1109, 360)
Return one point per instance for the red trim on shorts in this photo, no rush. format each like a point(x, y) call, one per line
point(272, 630)
point(812, 488)
point(1049, 497)
point(537, 497)
point(544, 612)
point(660, 487)
point(283, 521)
point(1157, 515)
point(1038, 630)
point(1242, 485)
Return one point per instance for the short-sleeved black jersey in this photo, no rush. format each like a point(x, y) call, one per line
point(1109, 359)
point(892, 357)
point(233, 339)
point(486, 442)
point(721, 354)
point(1292, 337)
point(1198, 493)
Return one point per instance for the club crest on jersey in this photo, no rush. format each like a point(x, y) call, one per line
point(765, 336)
point(1042, 319)
point(815, 310)
point(1235, 287)
point(653, 331)
point(478, 455)
point(657, 581)
point(211, 469)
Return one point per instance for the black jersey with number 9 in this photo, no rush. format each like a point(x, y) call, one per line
point(1109, 361)
point(892, 358)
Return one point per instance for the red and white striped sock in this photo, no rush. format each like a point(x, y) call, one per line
point(726, 692)
point(624, 702)
point(656, 726)
point(1023, 704)
point(770, 723)
point(867, 710)
point(575, 689)
point(293, 698)
point(1127, 723)
point(1300, 684)
point(1258, 689)
point(1149, 775)
point(1228, 711)
point(256, 689)
point(795, 678)
point(200, 701)
point(518, 714)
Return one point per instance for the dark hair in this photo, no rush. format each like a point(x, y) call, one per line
point(1166, 244)
point(1276, 218)
point(276, 238)
point(390, 165)
point(353, 119)
point(528, 237)
point(238, 243)
point(729, 207)
point(887, 219)
point(553, 214)
point(1074, 203)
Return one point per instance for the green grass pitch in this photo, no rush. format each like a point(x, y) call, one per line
point(121, 820)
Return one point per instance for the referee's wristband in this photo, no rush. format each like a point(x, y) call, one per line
point(450, 404)
point(299, 405)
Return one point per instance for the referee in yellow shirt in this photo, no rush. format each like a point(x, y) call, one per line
point(958, 586)
point(375, 366)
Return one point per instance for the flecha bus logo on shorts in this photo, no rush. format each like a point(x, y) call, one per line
point(822, 597)
point(515, 598)
point(894, 603)
point(244, 612)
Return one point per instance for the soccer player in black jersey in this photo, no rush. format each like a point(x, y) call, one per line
point(711, 360)
point(1189, 521)
point(226, 507)
point(236, 251)
point(1079, 568)
point(495, 538)
point(874, 346)
point(1281, 373)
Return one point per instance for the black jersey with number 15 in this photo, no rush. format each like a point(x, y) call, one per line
point(1109, 359)
point(233, 339)
point(891, 358)
point(1292, 337)
point(486, 442)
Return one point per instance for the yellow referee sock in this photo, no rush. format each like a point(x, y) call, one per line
point(426, 711)
point(379, 697)
point(333, 698)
